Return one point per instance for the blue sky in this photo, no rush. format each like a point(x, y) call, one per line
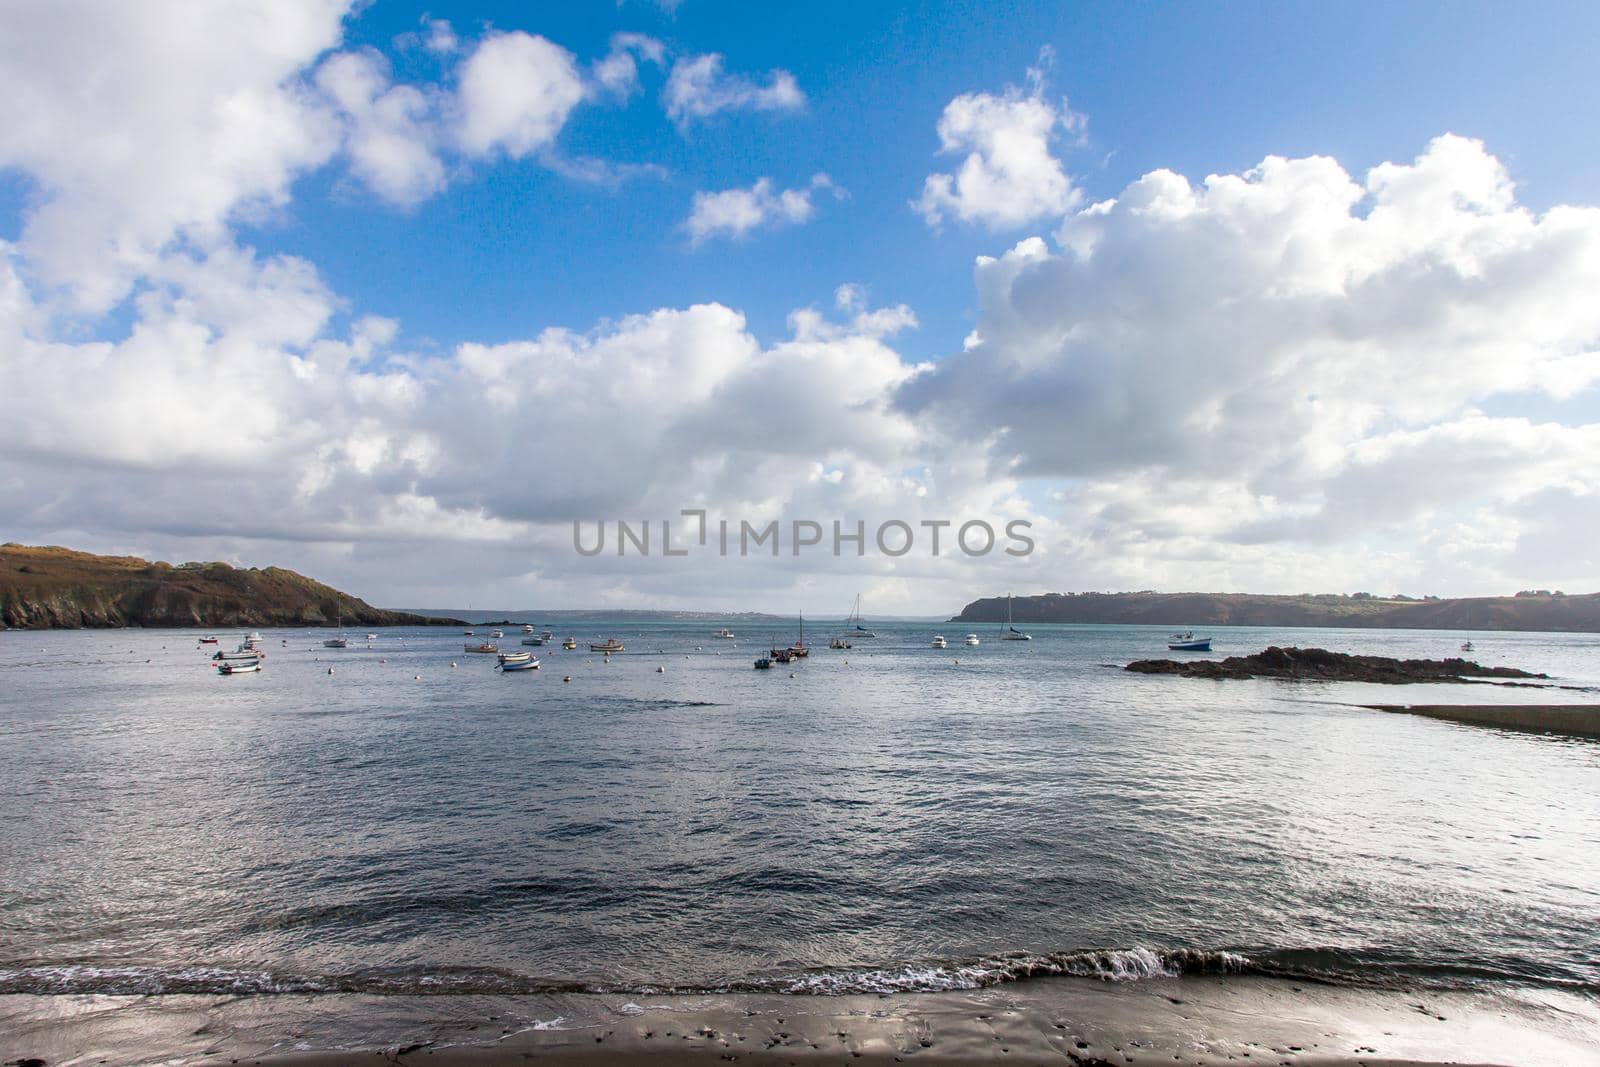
point(1194, 88)
point(368, 285)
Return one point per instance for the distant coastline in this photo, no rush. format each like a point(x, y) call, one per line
point(1533, 611)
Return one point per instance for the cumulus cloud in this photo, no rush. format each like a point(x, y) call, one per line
point(698, 88)
point(617, 73)
point(390, 134)
point(1009, 176)
point(516, 91)
point(193, 115)
point(735, 212)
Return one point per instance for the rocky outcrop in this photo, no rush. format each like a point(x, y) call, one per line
point(1320, 665)
point(58, 588)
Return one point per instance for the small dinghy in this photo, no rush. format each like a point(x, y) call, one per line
point(608, 646)
point(241, 666)
point(518, 661)
point(535, 640)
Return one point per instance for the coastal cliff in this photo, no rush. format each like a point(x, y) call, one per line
point(1528, 611)
point(44, 588)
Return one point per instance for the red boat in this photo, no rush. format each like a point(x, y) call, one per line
point(208, 640)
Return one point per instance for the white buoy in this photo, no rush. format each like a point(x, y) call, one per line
point(330, 670)
point(419, 677)
point(452, 664)
point(791, 674)
point(661, 670)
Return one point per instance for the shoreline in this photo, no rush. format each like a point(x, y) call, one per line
point(1181, 1021)
point(1577, 720)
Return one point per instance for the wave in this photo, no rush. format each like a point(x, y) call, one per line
point(1320, 965)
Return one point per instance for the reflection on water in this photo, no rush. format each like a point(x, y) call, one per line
point(891, 817)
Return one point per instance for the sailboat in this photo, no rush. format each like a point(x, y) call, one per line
point(854, 619)
point(1011, 632)
point(798, 650)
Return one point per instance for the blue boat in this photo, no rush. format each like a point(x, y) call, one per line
point(1188, 642)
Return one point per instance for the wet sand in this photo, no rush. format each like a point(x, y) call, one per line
point(1183, 1021)
point(1581, 720)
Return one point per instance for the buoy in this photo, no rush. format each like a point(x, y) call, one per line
point(661, 670)
point(568, 678)
point(791, 674)
point(452, 664)
point(419, 677)
point(330, 670)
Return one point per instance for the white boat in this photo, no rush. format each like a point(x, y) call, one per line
point(336, 642)
point(482, 646)
point(854, 620)
point(569, 644)
point(496, 633)
point(527, 627)
point(940, 642)
point(372, 637)
point(972, 639)
point(467, 632)
point(241, 654)
point(724, 633)
point(547, 635)
point(515, 657)
point(250, 666)
point(607, 646)
point(1011, 632)
point(529, 664)
point(1186, 641)
point(535, 640)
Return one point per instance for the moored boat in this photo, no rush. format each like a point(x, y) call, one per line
point(724, 633)
point(514, 657)
point(1011, 633)
point(535, 640)
point(208, 640)
point(529, 664)
point(496, 634)
point(527, 627)
point(1186, 641)
point(482, 646)
point(608, 646)
point(940, 642)
point(569, 644)
point(838, 642)
point(336, 642)
point(763, 663)
point(854, 620)
point(972, 639)
point(243, 666)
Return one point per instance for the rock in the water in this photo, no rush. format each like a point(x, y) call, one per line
point(1320, 665)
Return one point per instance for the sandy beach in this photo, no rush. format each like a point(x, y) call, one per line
point(1580, 720)
point(1189, 1021)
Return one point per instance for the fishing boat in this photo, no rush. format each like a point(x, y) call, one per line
point(1186, 641)
point(482, 646)
point(763, 663)
point(854, 620)
point(515, 657)
point(336, 642)
point(527, 627)
point(838, 642)
point(1466, 646)
point(940, 642)
point(608, 646)
point(725, 634)
point(241, 666)
point(1011, 633)
point(972, 639)
point(529, 664)
point(798, 650)
point(535, 640)
point(570, 643)
point(208, 640)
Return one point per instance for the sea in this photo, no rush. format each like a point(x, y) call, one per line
point(400, 817)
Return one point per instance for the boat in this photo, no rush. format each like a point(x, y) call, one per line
point(763, 663)
point(1011, 633)
point(372, 637)
point(724, 633)
point(482, 646)
point(1186, 641)
point(569, 644)
point(527, 627)
point(242, 666)
point(608, 646)
point(1466, 646)
point(854, 620)
point(529, 664)
point(496, 634)
point(940, 642)
point(242, 654)
point(838, 642)
point(253, 635)
point(972, 639)
point(547, 635)
point(336, 642)
point(798, 650)
point(535, 640)
point(515, 657)
point(208, 640)
point(467, 632)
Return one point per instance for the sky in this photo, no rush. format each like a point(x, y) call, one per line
point(1270, 298)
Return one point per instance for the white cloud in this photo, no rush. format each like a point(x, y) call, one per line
point(390, 133)
point(192, 115)
point(698, 88)
point(516, 91)
point(617, 73)
point(735, 212)
point(1009, 176)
